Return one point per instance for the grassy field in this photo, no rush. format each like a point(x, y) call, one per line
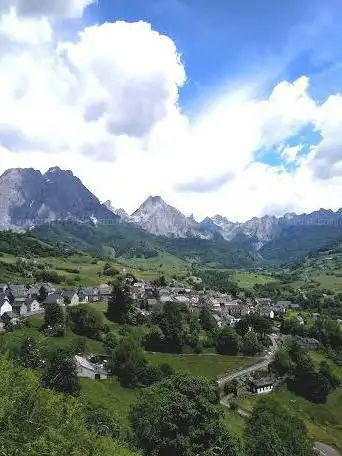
point(89, 270)
point(247, 280)
point(111, 396)
point(150, 268)
point(205, 365)
point(324, 421)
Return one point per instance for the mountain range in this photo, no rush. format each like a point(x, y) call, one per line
point(30, 199)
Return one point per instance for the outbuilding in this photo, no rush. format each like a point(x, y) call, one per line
point(261, 386)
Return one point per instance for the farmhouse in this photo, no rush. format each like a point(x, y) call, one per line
point(89, 370)
point(261, 386)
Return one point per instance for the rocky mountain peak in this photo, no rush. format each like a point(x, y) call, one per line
point(120, 212)
point(158, 217)
point(28, 198)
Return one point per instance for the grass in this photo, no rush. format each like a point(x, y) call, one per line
point(90, 269)
point(151, 268)
point(247, 280)
point(234, 422)
point(205, 365)
point(324, 421)
point(110, 395)
point(11, 342)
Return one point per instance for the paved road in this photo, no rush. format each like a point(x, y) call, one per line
point(325, 450)
point(255, 367)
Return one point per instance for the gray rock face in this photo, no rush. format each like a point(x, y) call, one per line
point(261, 230)
point(29, 198)
point(120, 212)
point(159, 218)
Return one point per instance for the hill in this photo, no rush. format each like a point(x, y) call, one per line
point(128, 241)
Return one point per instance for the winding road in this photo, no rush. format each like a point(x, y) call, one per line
point(255, 367)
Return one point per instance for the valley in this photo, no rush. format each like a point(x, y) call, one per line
point(167, 300)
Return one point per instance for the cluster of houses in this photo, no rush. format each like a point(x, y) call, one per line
point(226, 308)
point(18, 300)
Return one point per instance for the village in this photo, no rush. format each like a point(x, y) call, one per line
point(18, 301)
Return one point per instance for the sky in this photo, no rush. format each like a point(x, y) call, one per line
point(230, 107)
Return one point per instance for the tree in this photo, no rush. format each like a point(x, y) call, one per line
point(85, 321)
point(179, 416)
point(161, 281)
point(54, 315)
point(120, 304)
point(250, 344)
point(100, 421)
point(307, 382)
point(60, 373)
point(111, 340)
point(30, 355)
point(272, 430)
point(39, 421)
point(128, 363)
point(155, 340)
point(231, 388)
point(326, 370)
point(174, 322)
point(281, 364)
point(207, 320)
point(227, 341)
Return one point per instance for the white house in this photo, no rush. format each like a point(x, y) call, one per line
point(5, 306)
point(261, 386)
point(89, 370)
point(32, 305)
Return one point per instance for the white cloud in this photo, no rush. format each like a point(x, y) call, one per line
point(290, 153)
point(106, 105)
point(50, 8)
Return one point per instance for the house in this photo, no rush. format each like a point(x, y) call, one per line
point(263, 301)
point(10, 317)
point(182, 299)
point(266, 312)
point(47, 288)
point(70, 298)
point(261, 386)
point(54, 298)
point(5, 305)
point(105, 291)
point(230, 320)
point(19, 307)
point(32, 305)
point(89, 294)
point(89, 370)
point(285, 304)
point(166, 298)
point(152, 302)
point(308, 343)
point(33, 292)
point(16, 293)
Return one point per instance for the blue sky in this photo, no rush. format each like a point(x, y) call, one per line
point(228, 40)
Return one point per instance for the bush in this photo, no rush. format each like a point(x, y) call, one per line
point(233, 406)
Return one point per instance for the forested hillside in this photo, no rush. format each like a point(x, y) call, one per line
point(122, 239)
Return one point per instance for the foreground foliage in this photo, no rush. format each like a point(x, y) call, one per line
point(179, 416)
point(36, 421)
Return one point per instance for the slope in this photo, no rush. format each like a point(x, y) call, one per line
point(122, 239)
